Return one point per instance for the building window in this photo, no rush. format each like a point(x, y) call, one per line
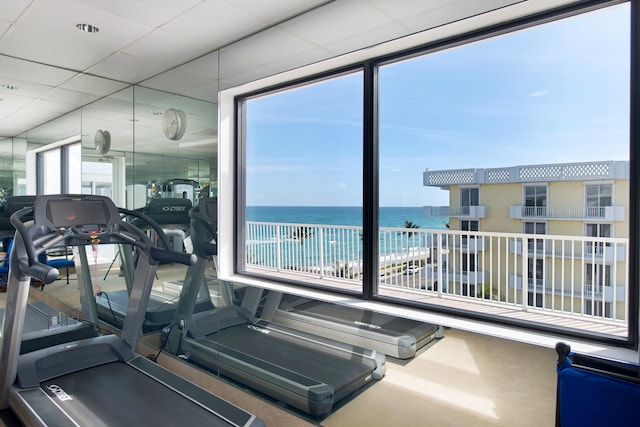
point(598, 308)
point(535, 276)
point(535, 200)
point(469, 197)
point(597, 230)
point(598, 197)
point(535, 245)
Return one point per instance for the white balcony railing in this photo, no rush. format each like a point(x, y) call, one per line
point(473, 266)
point(585, 213)
point(477, 212)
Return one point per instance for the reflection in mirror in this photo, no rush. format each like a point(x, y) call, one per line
point(166, 165)
point(107, 134)
point(6, 178)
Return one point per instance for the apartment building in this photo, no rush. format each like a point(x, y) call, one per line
point(578, 212)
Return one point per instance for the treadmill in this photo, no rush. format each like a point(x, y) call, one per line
point(305, 371)
point(172, 215)
point(99, 380)
point(44, 326)
point(394, 336)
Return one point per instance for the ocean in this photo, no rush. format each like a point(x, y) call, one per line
point(336, 245)
point(343, 215)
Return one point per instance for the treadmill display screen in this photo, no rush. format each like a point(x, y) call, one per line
point(67, 213)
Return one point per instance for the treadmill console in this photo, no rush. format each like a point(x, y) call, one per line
point(86, 215)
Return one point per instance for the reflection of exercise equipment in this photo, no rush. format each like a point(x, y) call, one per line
point(174, 188)
point(100, 378)
point(305, 371)
point(172, 216)
point(393, 336)
point(593, 391)
point(44, 326)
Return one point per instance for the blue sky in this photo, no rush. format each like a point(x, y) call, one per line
point(551, 94)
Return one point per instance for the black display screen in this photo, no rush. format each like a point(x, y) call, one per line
point(67, 213)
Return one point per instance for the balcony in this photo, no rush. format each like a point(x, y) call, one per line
point(475, 212)
point(472, 271)
point(605, 213)
point(594, 249)
point(607, 293)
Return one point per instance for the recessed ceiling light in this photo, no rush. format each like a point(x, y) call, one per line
point(87, 28)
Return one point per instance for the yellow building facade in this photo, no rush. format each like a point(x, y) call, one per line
point(550, 237)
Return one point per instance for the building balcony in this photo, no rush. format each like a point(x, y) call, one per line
point(603, 252)
point(475, 212)
point(604, 213)
point(606, 293)
point(481, 271)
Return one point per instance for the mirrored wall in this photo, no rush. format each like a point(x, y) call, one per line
point(130, 150)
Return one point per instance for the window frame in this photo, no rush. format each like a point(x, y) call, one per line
point(370, 167)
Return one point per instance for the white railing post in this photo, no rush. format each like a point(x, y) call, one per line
point(278, 249)
point(321, 251)
point(525, 272)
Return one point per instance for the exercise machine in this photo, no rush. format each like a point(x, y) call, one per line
point(44, 326)
point(172, 215)
point(305, 371)
point(394, 336)
point(99, 380)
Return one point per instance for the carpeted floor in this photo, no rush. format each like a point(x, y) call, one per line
point(463, 379)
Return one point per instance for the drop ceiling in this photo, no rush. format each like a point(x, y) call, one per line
point(48, 67)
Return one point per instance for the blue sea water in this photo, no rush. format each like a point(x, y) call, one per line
point(345, 215)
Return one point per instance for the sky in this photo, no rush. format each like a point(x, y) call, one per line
point(555, 93)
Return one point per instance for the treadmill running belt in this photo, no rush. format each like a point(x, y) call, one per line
point(304, 357)
point(118, 394)
point(364, 319)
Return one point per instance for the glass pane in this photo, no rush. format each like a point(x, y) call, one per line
point(73, 172)
point(304, 183)
point(51, 182)
point(523, 116)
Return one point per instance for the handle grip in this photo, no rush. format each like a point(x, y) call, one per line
point(43, 272)
point(165, 255)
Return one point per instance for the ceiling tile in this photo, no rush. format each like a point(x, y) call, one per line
point(174, 51)
point(11, 10)
point(390, 31)
point(33, 72)
point(336, 22)
point(408, 8)
point(97, 86)
point(47, 48)
point(52, 106)
point(60, 18)
point(269, 46)
point(200, 25)
point(152, 13)
point(276, 11)
point(70, 97)
point(127, 68)
point(453, 12)
point(4, 26)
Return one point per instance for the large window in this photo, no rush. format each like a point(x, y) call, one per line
point(598, 197)
point(365, 175)
point(535, 200)
point(58, 169)
point(303, 183)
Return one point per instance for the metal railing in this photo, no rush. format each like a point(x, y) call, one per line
point(578, 276)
